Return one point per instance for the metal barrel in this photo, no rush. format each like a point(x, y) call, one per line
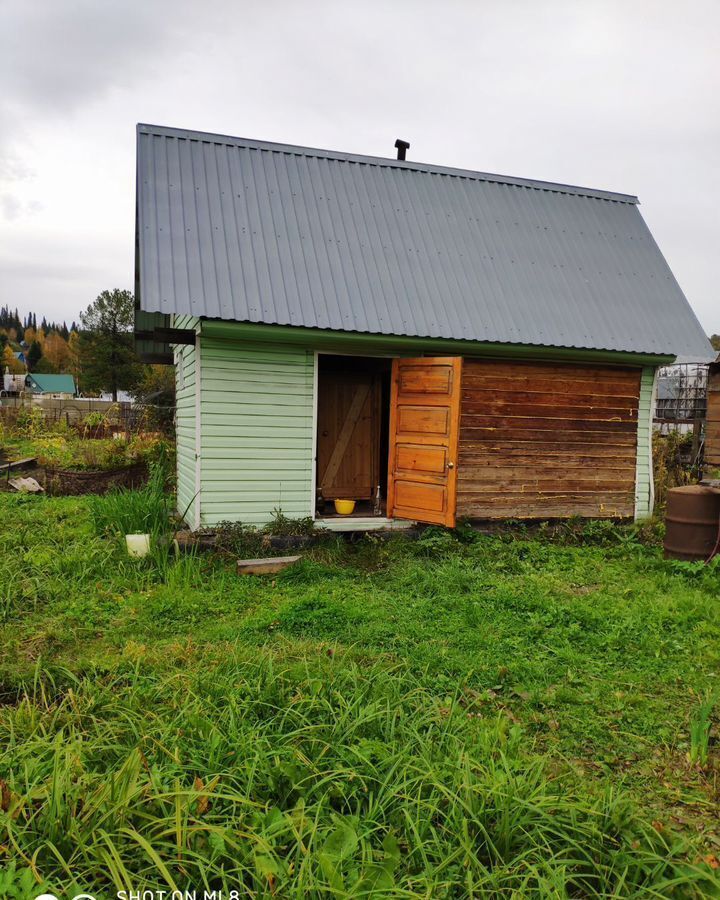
point(692, 522)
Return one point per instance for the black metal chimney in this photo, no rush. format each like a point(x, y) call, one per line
point(402, 146)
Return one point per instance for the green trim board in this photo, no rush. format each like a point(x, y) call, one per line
point(644, 486)
point(350, 342)
point(187, 388)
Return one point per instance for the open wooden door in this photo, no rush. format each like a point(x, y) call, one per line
point(424, 430)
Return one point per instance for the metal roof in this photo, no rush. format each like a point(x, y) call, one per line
point(250, 231)
point(51, 384)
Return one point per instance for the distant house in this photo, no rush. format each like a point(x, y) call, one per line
point(59, 387)
point(20, 357)
point(430, 342)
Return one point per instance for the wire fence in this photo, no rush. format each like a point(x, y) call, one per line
point(682, 394)
point(96, 418)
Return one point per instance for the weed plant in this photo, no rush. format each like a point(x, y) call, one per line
point(145, 510)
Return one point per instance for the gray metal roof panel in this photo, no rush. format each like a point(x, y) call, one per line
point(257, 232)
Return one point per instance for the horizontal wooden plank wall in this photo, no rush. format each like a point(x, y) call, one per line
point(257, 431)
point(712, 430)
point(543, 440)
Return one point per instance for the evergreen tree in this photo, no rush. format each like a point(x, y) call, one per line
point(33, 355)
point(109, 361)
point(44, 367)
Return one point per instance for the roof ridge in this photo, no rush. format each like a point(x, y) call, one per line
point(384, 162)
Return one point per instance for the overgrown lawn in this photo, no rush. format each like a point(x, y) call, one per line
point(461, 715)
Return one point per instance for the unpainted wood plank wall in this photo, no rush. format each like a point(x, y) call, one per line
point(542, 440)
point(712, 432)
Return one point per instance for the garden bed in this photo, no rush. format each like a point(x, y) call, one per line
point(67, 482)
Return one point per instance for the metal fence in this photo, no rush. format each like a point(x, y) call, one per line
point(681, 410)
point(682, 393)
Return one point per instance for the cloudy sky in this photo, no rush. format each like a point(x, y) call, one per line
point(606, 93)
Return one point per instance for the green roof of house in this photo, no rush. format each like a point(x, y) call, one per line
point(51, 384)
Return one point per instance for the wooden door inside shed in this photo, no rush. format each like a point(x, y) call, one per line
point(349, 425)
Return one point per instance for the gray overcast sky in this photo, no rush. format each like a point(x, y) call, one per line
point(619, 95)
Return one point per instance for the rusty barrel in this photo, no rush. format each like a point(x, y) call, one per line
point(692, 522)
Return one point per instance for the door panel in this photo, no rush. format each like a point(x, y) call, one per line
point(423, 420)
point(348, 435)
point(430, 460)
point(421, 496)
point(424, 428)
point(436, 381)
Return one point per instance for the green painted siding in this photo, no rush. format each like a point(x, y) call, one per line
point(185, 387)
point(256, 431)
point(644, 491)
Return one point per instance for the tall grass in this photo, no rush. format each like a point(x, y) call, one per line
point(305, 781)
point(700, 725)
point(145, 510)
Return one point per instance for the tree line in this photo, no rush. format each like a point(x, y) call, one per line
point(98, 351)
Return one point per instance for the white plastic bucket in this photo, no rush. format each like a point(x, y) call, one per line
point(137, 544)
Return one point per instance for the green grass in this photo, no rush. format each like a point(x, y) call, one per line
point(474, 717)
point(145, 510)
point(18, 447)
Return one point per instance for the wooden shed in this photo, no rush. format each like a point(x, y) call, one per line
point(431, 343)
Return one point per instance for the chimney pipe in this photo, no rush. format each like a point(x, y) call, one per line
point(402, 146)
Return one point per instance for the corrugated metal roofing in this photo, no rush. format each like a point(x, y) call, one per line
point(51, 384)
point(237, 229)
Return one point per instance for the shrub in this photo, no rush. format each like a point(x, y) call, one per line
point(31, 422)
point(671, 463)
point(94, 419)
point(280, 524)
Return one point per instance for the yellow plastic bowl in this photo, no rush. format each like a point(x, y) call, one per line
point(344, 507)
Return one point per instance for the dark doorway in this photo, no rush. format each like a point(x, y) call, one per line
point(353, 433)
